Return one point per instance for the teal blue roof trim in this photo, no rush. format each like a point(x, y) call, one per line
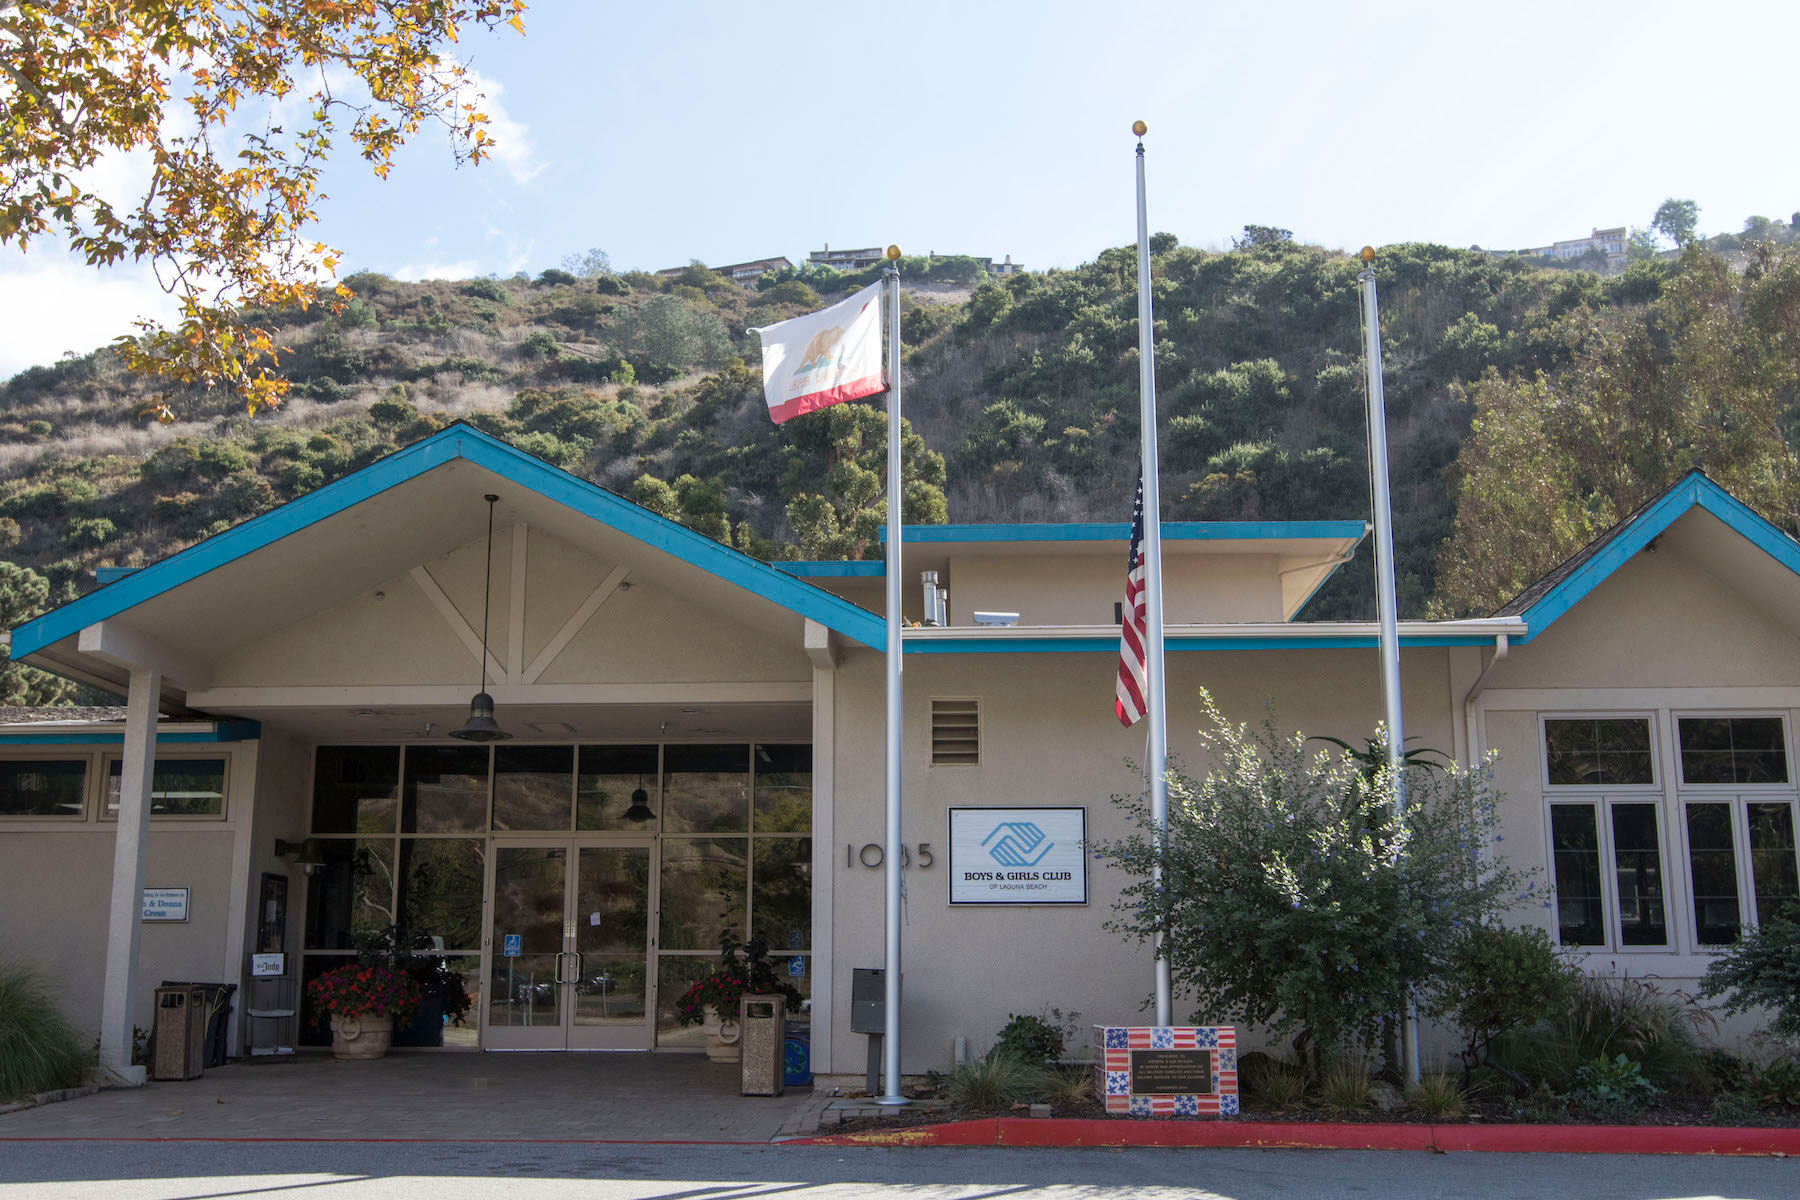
point(1119, 531)
point(224, 731)
point(114, 574)
point(844, 569)
point(1636, 532)
point(1110, 645)
point(465, 442)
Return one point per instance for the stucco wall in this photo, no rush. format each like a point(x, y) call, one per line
point(1082, 589)
point(1048, 738)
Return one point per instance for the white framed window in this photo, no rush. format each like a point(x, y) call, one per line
point(185, 787)
point(1606, 862)
point(1743, 863)
point(42, 787)
point(1616, 751)
point(1736, 751)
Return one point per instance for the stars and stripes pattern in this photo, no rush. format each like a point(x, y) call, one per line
point(1116, 1043)
point(1129, 706)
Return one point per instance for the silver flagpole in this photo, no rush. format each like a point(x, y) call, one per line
point(1153, 593)
point(890, 1045)
point(1386, 602)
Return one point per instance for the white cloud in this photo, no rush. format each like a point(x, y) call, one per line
point(50, 304)
point(462, 268)
point(513, 147)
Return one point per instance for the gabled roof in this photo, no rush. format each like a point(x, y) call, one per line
point(458, 441)
point(1559, 591)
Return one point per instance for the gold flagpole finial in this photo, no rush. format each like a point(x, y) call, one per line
point(1139, 128)
point(1367, 254)
point(893, 253)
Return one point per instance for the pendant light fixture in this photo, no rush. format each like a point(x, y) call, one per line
point(481, 726)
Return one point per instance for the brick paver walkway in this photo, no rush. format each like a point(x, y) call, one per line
point(443, 1096)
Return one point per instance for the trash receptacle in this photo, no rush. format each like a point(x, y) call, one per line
point(763, 1020)
point(180, 1033)
point(215, 1016)
point(798, 1056)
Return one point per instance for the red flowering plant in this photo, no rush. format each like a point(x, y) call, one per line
point(744, 969)
point(364, 991)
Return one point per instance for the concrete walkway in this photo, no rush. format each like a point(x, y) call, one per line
point(440, 1097)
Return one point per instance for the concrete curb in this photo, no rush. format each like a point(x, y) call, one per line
point(1269, 1135)
point(50, 1098)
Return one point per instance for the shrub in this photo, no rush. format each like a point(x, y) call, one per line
point(612, 285)
point(1031, 1039)
point(392, 410)
point(1277, 1085)
point(86, 533)
point(1347, 1088)
point(995, 1080)
point(792, 292)
point(1762, 971)
point(540, 343)
point(1437, 1096)
point(39, 1050)
point(1501, 979)
point(243, 494)
point(1613, 1087)
point(1295, 898)
point(39, 429)
point(361, 990)
point(552, 277)
point(1610, 1015)
point(487, 289)
point(1069, 1087)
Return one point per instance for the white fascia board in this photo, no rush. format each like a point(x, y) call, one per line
point(1286, 630)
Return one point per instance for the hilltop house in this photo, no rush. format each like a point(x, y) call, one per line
point(697, 748)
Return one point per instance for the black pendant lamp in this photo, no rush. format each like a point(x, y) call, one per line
point(640, 809)
point(481, 726)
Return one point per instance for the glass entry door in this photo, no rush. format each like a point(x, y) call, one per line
point(569, 945)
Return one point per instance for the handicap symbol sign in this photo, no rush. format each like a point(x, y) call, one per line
point(797, 967)
point(509, 946)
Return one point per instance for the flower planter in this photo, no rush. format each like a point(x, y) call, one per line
point(360, 1037)
point(722, 1037)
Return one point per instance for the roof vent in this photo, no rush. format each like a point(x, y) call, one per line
point(955, 732)
point(996, 618)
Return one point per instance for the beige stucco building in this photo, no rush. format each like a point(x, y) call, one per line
point(696, 748)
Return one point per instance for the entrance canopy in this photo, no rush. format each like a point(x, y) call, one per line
point(194, 614)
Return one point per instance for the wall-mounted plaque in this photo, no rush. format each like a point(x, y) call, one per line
point(165, 904)
point(1018, 856)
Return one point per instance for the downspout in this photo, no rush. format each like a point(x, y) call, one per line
point(1500, 648)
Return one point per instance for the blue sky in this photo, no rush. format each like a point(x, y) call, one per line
point(674, 131)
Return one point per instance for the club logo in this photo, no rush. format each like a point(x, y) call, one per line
point(1020, 844)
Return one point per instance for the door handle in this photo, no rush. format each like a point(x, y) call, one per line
point(560, 955)
point(580, 966)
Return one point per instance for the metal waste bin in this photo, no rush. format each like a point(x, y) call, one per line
point(763, 1020)
point(180, 1034)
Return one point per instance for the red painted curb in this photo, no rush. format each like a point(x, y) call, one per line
point(1289, 1135)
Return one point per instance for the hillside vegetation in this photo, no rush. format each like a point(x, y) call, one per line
point(1021, 400)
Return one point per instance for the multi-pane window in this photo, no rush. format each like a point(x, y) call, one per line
point(1605, 832)
point(1743, 866)
point(43, 787)
point(180, 787)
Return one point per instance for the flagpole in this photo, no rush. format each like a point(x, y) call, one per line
point(1153, 593)
point(890, 1044)
point(1386, 601)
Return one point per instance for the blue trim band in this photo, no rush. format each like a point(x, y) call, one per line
point(1119, 531)
point(466, 442)
point(114, 574)
point(1694, 491)
point(1098, 645)
point(226, 731)
point(833, 570)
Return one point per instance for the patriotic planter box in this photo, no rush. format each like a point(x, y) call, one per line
point(1167, 1070)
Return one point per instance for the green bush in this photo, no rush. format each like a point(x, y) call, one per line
point(1503, 979)
point(792, 292)
point(243, 494)
point(1437, 1097)
point(997, 1080)
point(39, 429)
point(1031, 1039)
point(538, 344)
point(88, 533)
point(487, 289)
point(40, 1051)
point(1608, 1016)
point(612, 285)
point(1613, 1087)
point(552, 277)
point(392, 410)
point(1762, 971)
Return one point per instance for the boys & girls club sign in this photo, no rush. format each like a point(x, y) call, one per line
point(1018, 856)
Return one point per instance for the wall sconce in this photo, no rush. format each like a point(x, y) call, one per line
point(307, 854)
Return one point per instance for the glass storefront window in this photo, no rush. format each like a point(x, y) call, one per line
point(180, 787)
point(356, 789)
point(674, 972)
point(441, 880)
point(703, 885)
point(533, 786)
point(352, 894)
point(784, 789)
point(446, 790)
point(606, 780)
point(706, 789)
point(781, 894)
point(43, 787)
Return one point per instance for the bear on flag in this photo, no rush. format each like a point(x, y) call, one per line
point(823, 358)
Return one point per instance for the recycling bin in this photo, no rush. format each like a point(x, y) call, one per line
point(762, 1021)
point(179, 1050)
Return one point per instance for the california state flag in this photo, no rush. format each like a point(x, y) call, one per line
point(823, 358)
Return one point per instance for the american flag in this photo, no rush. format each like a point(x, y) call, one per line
point(1129, 707)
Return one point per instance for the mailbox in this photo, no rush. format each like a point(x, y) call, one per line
point(868, 1000)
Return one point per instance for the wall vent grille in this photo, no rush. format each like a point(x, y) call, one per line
point(955, 732)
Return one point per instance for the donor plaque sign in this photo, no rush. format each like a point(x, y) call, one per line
point(1018, 856)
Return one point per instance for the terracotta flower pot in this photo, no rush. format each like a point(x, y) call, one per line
point(722, 1037)
point(360, 1037)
